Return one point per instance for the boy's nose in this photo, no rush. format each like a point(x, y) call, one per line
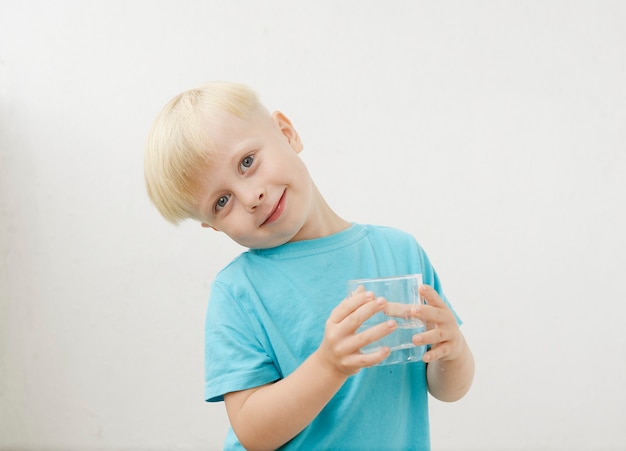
point(255, 199)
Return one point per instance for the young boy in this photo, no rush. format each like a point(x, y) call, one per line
point(282, 348)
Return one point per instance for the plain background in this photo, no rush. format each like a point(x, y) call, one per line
point(495, 132)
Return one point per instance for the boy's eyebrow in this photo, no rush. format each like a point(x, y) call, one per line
point(245, 146)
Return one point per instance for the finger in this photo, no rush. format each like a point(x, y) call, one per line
point(432, 337)
point(431, 296)
point(437, 353)
point(364, 360)
point(362, 313)
point(399, 310)
point(372, 334)
point(435, 311)
point(432, 315)
point(350, 304)
point(367, 337)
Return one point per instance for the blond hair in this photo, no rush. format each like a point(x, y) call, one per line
point(179, 145)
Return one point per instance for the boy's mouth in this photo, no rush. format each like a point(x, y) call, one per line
point(277, 211)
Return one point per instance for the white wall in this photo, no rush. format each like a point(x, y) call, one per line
point(493, 131)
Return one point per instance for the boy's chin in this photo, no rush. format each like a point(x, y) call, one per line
point(261, 243)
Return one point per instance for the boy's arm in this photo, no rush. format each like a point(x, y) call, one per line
point(450, 380)
point(269, 416)
point(450, 361)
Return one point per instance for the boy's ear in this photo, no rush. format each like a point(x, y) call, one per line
point(287, 129)
point(206, 226)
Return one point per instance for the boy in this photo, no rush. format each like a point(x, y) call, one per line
point(282, 350)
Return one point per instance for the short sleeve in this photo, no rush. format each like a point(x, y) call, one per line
point(235, 356)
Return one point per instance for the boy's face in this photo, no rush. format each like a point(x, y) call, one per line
point(258, 191)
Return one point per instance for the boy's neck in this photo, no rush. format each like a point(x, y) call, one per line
point(324, 221)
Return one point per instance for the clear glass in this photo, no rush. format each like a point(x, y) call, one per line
point(402, 295)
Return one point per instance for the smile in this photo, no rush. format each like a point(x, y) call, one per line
point(277, 211)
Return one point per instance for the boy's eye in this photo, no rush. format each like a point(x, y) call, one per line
point(221, 202)
point(247, 162)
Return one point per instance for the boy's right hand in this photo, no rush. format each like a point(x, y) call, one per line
point(340, 348)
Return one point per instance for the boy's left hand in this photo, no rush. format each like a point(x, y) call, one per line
point(443, 333)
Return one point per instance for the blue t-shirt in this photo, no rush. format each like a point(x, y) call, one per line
point(267, 313)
